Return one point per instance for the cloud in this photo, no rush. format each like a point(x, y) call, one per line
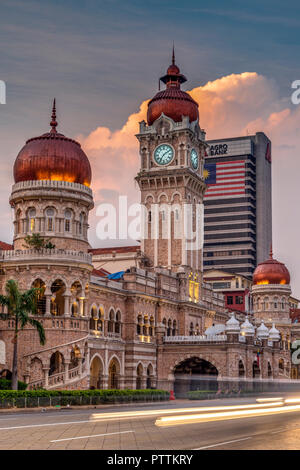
point(234, 105)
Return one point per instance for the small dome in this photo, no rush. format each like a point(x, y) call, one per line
point(172, 101)
point(232, 325)
point(52, 156)
point(274, 334)
point(247, 328)
point(271, 271)
point(262, 331)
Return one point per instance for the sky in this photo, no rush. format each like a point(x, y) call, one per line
point(102, 60)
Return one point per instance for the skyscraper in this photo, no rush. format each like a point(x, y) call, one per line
point(238, 204)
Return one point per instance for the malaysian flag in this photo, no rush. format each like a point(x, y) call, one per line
point(224, 179)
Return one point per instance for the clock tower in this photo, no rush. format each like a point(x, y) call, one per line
point(172, 148)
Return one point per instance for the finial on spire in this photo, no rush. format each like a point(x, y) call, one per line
point(271, 252)
point(173, 55)
point(53, 122)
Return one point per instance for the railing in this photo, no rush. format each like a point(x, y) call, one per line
point(195, 339)
point(18, 255)
point(51, 184)
point(56, 378)
point(36, 385)
point(74, 372)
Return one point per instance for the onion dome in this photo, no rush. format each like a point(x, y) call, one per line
point(232, 325)
point(274, 334)
point(262, 331)
point(247, 329)
point(52, 156)
point(172, 101)
point(271, 271)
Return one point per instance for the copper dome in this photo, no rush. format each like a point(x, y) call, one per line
point(52, 156)
point(172, 101)
point(271, 271)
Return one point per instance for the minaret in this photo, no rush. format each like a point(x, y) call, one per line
point(270, 294)
point(172, 147)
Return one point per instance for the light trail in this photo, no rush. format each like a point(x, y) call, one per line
point(277, 408)
point(132, 414)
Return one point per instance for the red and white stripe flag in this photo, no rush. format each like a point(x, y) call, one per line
point(230, 180)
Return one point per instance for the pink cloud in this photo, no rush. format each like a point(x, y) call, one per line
point(231, 106)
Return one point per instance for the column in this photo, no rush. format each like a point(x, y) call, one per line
point(46, 376)
point(48, 304)
point(67, 365)
point(81, 312)
point(67, 305)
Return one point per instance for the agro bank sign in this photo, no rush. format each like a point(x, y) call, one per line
point(217, 148)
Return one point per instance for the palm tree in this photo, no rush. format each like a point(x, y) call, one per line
point(19, 307)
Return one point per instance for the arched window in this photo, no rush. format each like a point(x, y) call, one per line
point(191, 329)
point(151, 328)
point(118, 323)
point(40, 296)
point(111, 322)
point(31, 220)
point(145, 325)
point(174, 330)
point(50, 219)
point(80, 225)
point(18, 221)
point(139, 376)
point(68, 217)
point(169, 330)
point(58, 289)
point(139, 325)
point(281, 365)
point(101, 320)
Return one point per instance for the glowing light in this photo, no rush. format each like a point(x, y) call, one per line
point(275, 408)
point(262, 282)
point(126, 414)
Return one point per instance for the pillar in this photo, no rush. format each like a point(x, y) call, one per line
point(46, 376)
point(67, 305)
point(48, 304)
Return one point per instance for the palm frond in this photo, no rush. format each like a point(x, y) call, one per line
point(40, 329)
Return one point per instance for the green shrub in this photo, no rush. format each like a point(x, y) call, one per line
point(201, 394)
point(6, 385)
point(34, 398)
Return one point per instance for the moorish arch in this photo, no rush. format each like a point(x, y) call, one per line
point(114, 373)
point(194, 373)
point(96, 372)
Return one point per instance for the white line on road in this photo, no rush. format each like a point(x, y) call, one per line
point(93, 435)
point(47, 424)
point(223, 443)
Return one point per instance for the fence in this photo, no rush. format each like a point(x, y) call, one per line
point(82, 400)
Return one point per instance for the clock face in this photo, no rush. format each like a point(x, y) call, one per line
point(194, 159)
point(163, 154)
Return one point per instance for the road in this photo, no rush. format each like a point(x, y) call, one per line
point(135, 428)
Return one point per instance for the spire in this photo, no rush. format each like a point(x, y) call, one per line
point(173, 55)
point(53, 122)
point(271, 252)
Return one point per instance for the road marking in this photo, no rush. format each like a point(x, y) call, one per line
point(48, 424)
point(223, 443)
point(93, 435)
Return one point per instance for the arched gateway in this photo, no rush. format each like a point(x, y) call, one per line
point(194, 374)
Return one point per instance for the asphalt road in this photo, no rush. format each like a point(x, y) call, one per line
point(134, 428)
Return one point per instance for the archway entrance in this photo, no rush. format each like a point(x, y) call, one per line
point(113, 374)
point(194, 374)
point(96, 372)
